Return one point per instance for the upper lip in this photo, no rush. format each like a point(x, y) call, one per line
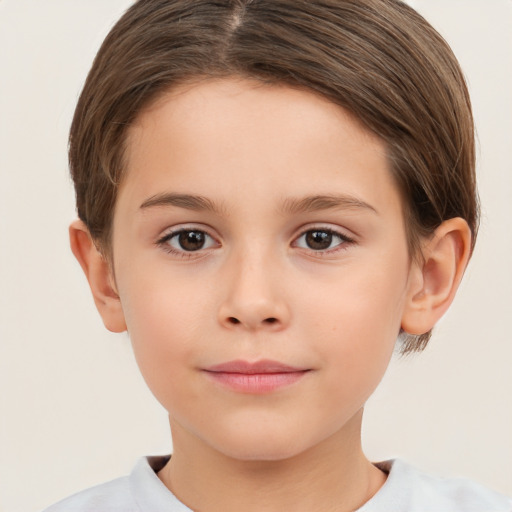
point(257, 367)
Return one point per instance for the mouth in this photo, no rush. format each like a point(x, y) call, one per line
point(259, 377)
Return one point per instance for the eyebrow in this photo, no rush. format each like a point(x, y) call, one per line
point(325, 202)
point(290, 205)
point(187, 201)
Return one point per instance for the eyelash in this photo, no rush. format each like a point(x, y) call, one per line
point(344, 241)
point(163, 242)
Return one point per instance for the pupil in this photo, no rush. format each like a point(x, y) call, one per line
point(191, 240)
point(318, 240)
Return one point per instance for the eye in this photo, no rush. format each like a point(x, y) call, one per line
point(187, 240)
point(321, 240)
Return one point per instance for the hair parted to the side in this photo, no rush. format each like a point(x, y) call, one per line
point(378, 59)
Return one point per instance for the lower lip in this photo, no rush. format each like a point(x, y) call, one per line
point(257, 383)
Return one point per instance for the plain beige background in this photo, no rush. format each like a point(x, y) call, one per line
point(74, 410)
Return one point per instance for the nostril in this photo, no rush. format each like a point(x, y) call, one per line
point(235, 321)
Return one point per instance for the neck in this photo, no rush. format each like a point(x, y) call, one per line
point(331, 476)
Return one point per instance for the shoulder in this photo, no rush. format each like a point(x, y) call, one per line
point(114, 496)
point(140, 491)
point(411, 490)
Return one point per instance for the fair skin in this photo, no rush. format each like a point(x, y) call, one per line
point(262, 223)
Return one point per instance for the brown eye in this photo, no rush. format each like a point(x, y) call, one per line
point(187, 240)
point(318, 240)
point(191, 240)
point(321, 240)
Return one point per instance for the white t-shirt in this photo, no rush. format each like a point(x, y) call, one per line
point(406, 490)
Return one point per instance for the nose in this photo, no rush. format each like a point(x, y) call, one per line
point(254, 295)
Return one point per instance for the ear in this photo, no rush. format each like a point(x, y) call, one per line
point(99, 274)
point(433, 280)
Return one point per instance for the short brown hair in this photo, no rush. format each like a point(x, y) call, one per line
point(378, 59)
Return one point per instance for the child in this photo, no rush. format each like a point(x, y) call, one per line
point(270, 193)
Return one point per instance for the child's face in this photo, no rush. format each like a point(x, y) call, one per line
point(259, 223)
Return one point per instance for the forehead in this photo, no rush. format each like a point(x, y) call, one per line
point(237, 134)
point(246, 103)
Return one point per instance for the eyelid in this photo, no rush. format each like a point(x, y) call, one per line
point(346, 240)
point(171, 232)
point(178, 228)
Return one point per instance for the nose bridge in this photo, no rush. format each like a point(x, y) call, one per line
point(254, 297)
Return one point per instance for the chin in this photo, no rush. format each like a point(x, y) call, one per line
point(262, 448)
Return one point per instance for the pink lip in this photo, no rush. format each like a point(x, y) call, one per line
point(259, 377)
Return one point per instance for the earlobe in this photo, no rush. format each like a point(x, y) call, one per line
point(433, 281)
point(97, 270)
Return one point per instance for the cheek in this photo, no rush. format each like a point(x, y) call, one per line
point(161, 305)
point(362, 302)
point(165, 325)
point(357, 320)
